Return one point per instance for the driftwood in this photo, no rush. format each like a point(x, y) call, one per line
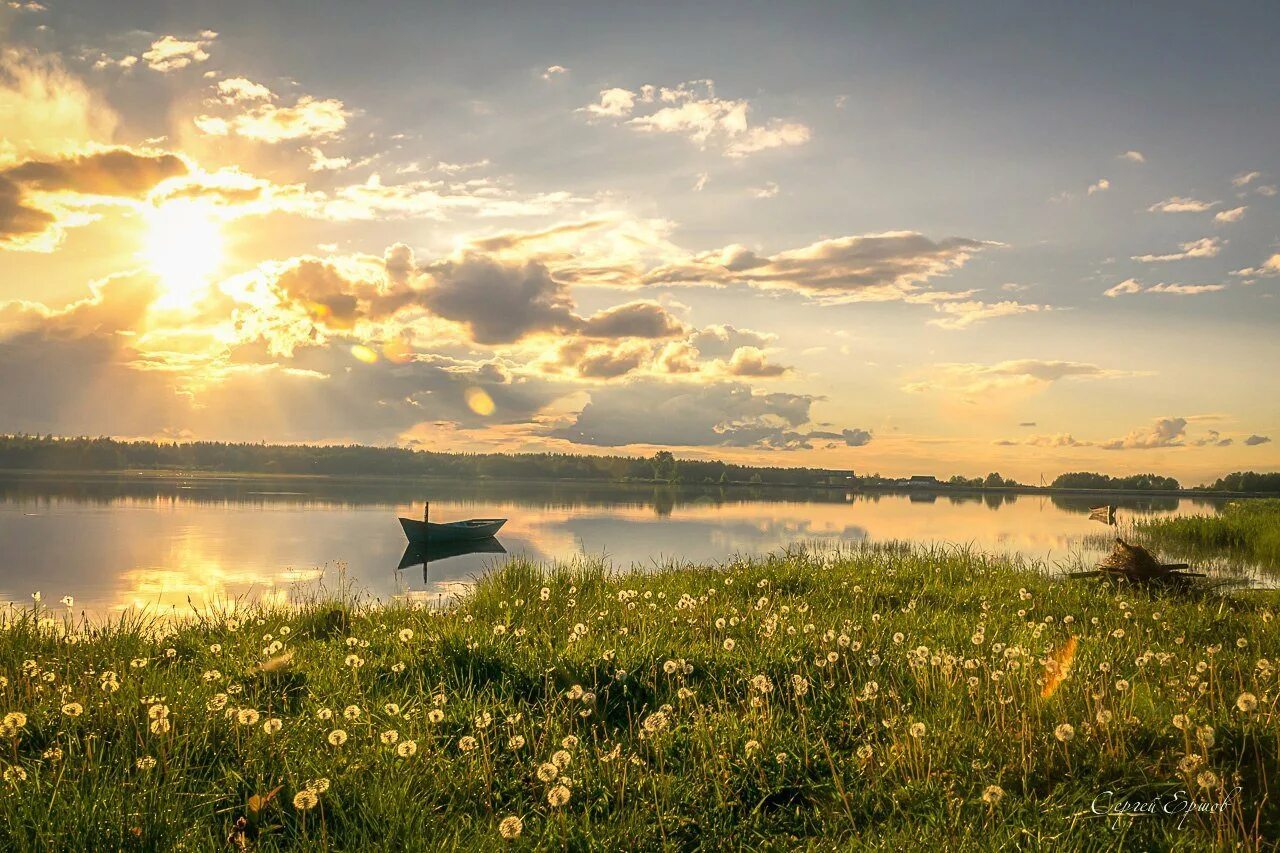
point(1135, 564)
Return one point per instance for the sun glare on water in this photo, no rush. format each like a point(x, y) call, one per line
point(183, 248)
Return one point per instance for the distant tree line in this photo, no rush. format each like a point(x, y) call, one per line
point(51, 453)
point(1134, 482)
point(107, 454)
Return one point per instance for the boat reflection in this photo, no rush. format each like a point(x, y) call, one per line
point(420, 554)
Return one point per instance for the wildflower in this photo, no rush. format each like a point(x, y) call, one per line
point(305, 799)
point(1121, 685)
point(337, 737)
point(211, 675)
point(435, 715)
point(15, 720)
point(561, 758)
point(392, 709)
point(515, 742)
point(670, 667)
point(161, 726)
point(729, 644)
point(406, 749)
point(406, 634)
point(1189, 763)
point(1064, 732)
point(73, 709)
point(1181, 721)
point(467, 743)
point(762, 684)
point(390, 736)
point(1207, 779)
point(1104, 717)
point(138, 663)
point(558, 796)
point(1246, 702)
point(992, 795)
point(318, 785)
point(569, 742)
point(397, 667)
point(547, 771)
point(655, 722)
point(354, 661)
point(158, 712)
point(351, 712)
point(917, 730)
point(510, 827)
point(15, 774)
point(247, 717)
point(1204, 734)
point(217, 703)
point(273, 725)
point(146, 762)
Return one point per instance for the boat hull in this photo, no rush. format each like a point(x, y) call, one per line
point(458, 531)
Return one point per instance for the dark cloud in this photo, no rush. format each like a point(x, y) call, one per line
point(639, 319)
point(871, 266)
point(724, 414)
point(117, 172)
point(1254, 440)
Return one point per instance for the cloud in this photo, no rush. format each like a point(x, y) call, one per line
point(963, 314)
point(1206, 247)
point(871, 267)
point(694, 111)
point(722, 341)
point(322, 163)
point(1102, 185)
point(1270, 267)
point(1255, 440)
point(1163, 432)
point(971, 378)
point(769, 190)
point(1061, 439)
point(751, 361)
point(1245, 178)
point(48, 112)
point(40, 198)
point(171, 53)
point(856, 437)
point(260, 117)
point(725, 414)
point(1179, 204)
point(1132, 157)
point(554, 71)
point(1235, 214)
point(1130, 286)
point(701, 184)
point(638, 319)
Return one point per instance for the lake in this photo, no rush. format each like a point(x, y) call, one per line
point(115, 542)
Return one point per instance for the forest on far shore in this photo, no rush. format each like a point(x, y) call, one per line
point(52, 453)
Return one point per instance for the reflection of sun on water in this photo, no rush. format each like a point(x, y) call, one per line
point(184, 248)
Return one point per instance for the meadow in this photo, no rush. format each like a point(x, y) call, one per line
point(887, 697)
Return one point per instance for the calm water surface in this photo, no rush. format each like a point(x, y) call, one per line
point(114, 543)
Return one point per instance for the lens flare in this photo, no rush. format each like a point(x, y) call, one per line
point(478, 401)
point(362, 353)
point(1058, 667)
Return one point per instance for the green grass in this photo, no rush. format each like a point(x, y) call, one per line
point(1250, 528)
point(719, 707)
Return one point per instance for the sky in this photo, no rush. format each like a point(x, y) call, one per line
point(905, 238)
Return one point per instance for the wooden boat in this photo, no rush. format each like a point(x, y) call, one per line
point(456, 531)
point(1105, 514)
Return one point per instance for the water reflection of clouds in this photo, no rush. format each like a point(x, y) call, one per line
point(133, 542)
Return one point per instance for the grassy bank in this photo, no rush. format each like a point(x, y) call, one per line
point(882, 697)
point(1250, 528)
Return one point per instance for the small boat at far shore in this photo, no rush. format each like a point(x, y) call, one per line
point(470, 530)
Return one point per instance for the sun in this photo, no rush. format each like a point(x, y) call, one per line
point(184, 248)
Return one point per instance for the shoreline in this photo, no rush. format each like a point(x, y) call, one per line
point(145, 474)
